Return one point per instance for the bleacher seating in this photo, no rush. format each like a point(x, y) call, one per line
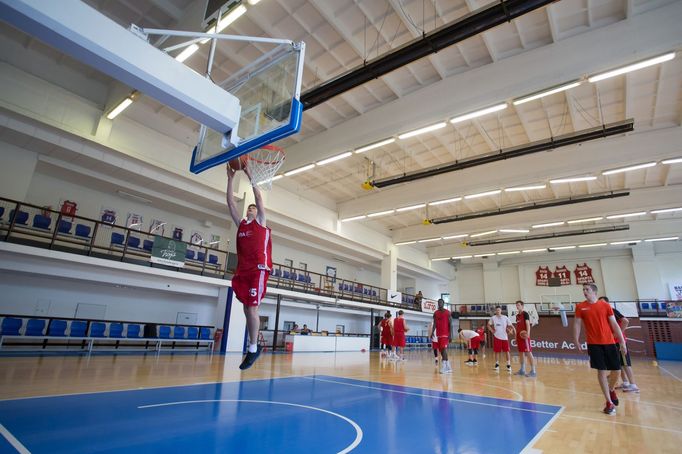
point(192, 332)
point(179, 332)
point(213, 259)
point(147, 245)
point(201, 256)
point(2, 211)
point(10, 326)
point(21, 218)
point(133, 241)
point(41, 222)
point(116, 330)
point(57, 328)
point(205, 333)
point(78, 328)
point(35, 327)
point(64, 226)
point(83, 231)
point(97, 329)
point(189, 254)
point(164, 332)
point(133, 331)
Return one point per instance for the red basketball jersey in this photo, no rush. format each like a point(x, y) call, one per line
point(441, 320)
point(399, 326)
point(254, 247)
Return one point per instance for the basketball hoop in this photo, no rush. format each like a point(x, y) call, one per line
point(263, 164)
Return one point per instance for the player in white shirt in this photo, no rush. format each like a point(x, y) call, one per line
point(500, 325)
point(473, 342)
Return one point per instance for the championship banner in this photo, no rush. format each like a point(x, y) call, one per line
point(391, 296)
point(563, 274)
point(542, 276)
point(675, 291)
point(429, 306)
point(168, 252)
point(583, 274)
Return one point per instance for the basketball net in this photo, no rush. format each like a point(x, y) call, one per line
point(263, 164)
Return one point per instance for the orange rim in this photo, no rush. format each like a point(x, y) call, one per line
point(279, 153)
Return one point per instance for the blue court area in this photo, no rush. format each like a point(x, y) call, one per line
point(321, 414)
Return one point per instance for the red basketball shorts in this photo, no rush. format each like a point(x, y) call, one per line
point(250, 287)
point(523, 344)
point(443, 342)
point(500, 345)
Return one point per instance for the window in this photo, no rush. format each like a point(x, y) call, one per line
point(303, 266)
point(288, 326)
point(445, 297)
point(263, 322)
point(288, 263)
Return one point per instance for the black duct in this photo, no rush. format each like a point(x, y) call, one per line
point(470, 25)
point(544, 236)
point(552, 143)
point(532, 206)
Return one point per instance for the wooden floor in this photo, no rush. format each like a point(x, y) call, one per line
point(647, 422)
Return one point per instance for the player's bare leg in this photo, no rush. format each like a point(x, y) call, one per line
point(252, 325)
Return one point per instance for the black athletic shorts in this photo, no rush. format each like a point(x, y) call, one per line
point(604, 357)
point(473, 351)
point(624, 359)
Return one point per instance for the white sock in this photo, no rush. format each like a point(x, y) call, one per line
point(253, 348)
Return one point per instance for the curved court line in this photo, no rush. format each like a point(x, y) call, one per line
point(347, 449)
point(643, 402)
point(662, 429)
point(16, 444)
point(437, 397)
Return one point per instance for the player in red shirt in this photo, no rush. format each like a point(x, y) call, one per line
point(626, 374)
point(481, 335)
point(399, 329)
point(600, 329)
point(441, 327)
point(523, 341)
point(386, 327)
point(254, 262)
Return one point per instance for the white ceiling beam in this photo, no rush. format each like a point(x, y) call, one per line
point(474, 5)
point(551, 20)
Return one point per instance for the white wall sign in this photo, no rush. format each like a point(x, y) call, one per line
point(394, 297)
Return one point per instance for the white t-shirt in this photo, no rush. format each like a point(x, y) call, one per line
point(500, 323)
point(468, 334)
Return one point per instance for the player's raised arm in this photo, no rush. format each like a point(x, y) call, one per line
point(229, 195)
point(260, 217)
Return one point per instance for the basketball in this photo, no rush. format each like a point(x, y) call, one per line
point(238, 163)
point(523, 334)
point(510, 330)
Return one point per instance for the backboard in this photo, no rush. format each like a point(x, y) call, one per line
point(268, 91)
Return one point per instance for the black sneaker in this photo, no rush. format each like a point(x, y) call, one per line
point(250, 358)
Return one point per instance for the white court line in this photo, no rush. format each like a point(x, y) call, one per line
point(520, 397)
point(16, 444)
point(663, 429)
point(347, 449)
point(528, 449)
point(673, 375)
point(433, 397)
point(642, 402)
point(148, 387)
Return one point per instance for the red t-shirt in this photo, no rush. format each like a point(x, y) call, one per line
point(595, 317)
point(399, 327)
point(254, 247)
point(521, 318)
point(441, 320)
point(386, 336)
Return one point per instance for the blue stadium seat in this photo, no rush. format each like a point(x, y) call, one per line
point(179, 332)
point(301, 278)
point(2, 211)
point(164, 332)
point(189, 254)
point(293, 276)
point(83, 230)
point(97, 329)
point(117, 238)
point(35, 327)
point(192, 332)
point(64, 226)
point(286, 274)
point(21, 218)
point(78, 328)
point(10, 326)
point(134, 241)
point(213, 259)
point(41, 222)
point(201, 256)
point(276, 272)
point(133, 331)
point(644, 306)
point(205, 333)
point(57, 328)
point(116, 330)
point(654, 306)
point(148, 245)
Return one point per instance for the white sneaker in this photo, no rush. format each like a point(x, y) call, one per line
point(631, 389)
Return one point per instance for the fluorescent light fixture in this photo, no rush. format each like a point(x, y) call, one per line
point(509, 253)
point(572, 180)
point(482, 194)
point(405, 242)
point(211, 242)
point(550, 91)
point(627, 169)
point(478, 113)
point(380, 213)
point(549, 224)
point(299, 170)
point(334, 158)
point(526, 188)
point(490, 232)
point(616, 243)
point(374, 145)
point(514, 230)
point(120, 108)
point(277, 177)
point(667, 210)
point(672, 161)
point(157, 227)
point(461, 257)
point(626, 215)
point(354, 218)
point(230, 17)
point(528, 251)
point(632, 67)
point(592, 245)
point(423, 130)
point(185, 54)
point(579, 221)
point(670, 238)
point(562, 248)
point(484, 255)
point(440, 259)
point(429, 240)
point(137, 198)
point(270, 180)
point(253, 2)
point(440, 202)
point(452, 237)
point(413, 207)
point(135, 224)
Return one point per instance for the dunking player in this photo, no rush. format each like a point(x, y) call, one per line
point(441, 327)
point(254, 262)
point(600, 330)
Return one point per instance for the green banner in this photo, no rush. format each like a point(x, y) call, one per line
point(167, 251)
